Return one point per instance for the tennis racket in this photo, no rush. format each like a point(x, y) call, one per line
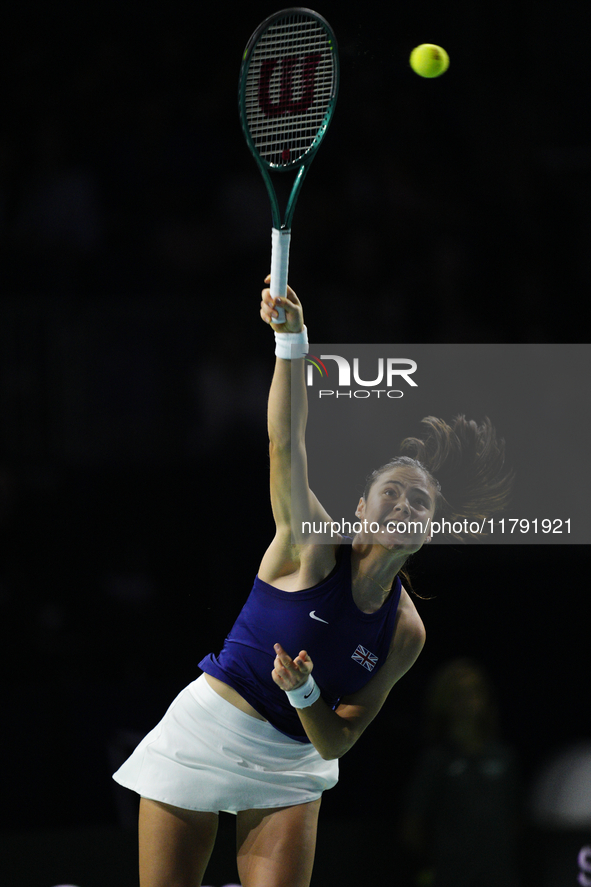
point(287, 94)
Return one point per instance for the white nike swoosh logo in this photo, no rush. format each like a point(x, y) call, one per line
point(317, 618)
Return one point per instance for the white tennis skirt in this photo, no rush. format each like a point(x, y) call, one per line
point(206, 754)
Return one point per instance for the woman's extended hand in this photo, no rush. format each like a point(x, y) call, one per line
point(291, 673)
point(294, 315)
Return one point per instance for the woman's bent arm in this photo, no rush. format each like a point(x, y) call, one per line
point(333, 733)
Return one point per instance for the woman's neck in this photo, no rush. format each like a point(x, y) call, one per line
point(373, 570)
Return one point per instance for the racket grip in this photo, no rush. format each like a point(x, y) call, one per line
point(280, 240)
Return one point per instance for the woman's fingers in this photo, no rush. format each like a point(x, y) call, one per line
point(291, 304)
point(268, 311)
point(291, 673)
point(283, 661)
point(303, 662)
point(269, 308)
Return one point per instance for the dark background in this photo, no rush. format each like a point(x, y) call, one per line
point(134, 238)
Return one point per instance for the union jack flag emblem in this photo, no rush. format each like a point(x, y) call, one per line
point(365, 658)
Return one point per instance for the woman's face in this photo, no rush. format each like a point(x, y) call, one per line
point(399, 509)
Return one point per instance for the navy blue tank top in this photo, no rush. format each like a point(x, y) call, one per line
point(346, 646)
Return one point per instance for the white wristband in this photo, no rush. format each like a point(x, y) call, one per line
point(304, 696)
point(290, 346)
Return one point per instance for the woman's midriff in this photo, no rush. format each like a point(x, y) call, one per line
point(230, 695)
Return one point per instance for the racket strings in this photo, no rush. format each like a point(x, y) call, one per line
point(289, 87)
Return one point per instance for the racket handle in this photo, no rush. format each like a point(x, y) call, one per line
point(280, 240)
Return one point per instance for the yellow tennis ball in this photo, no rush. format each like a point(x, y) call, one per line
point(429, 60)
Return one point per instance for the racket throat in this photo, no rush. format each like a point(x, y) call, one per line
point(289, 210)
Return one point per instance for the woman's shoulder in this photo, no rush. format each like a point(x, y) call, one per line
point(298, 568)
point(409, 637)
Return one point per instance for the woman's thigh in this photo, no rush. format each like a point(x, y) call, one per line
point(275, 847)
point(174, 844)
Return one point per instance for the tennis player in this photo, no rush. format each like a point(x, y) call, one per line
point(326, 632)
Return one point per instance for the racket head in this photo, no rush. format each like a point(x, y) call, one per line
point(288, 88)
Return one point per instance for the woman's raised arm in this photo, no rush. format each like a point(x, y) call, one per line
point(293, 503)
